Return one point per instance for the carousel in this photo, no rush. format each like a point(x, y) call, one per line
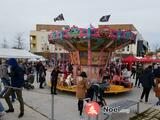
point(90, 50)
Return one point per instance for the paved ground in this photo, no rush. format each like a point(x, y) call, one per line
point(38, 104)
point(30, 114)
point(66, 104)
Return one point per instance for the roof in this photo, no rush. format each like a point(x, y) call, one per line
point(47, 27)
point(121, 26)
point(40, 27)
point(16, 53)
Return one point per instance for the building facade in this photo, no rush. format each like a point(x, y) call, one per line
point(139, 48)
point(39, 43)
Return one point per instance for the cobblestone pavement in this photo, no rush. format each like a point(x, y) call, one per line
point(150, 114)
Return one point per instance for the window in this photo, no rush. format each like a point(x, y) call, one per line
point(34, 45)
point(127, 48)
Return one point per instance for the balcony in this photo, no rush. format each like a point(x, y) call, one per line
point(33, 50)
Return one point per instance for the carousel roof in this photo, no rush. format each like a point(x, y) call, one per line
point(121, 26)
point(102, 38)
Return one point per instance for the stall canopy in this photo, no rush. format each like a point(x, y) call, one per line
point(129, 59)
point(147, 59)
point(17, 53)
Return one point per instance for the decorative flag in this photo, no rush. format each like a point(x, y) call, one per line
point(105, 18)
point(59, 18)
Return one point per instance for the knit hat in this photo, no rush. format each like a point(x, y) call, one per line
point(12, 62)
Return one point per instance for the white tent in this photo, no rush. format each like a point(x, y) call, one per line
point(17, 53)
point(35, 60)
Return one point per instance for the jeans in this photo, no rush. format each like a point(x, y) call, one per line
point(1, 107)
point(37, 76)
point(7, 83)
point(137, 81)
point(53, 85)
point(145, 93)
point(80, 106)
point(133, 74)
point(19, 97)
point(41, 80)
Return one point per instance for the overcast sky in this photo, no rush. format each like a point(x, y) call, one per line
point(22, 15)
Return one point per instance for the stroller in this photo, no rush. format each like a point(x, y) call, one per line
point(96, 93)
point(29, 81)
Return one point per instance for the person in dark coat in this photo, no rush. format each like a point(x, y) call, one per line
point(17, 82)
point(147, 81)
point(42, 75)
point(139, 70)
point(133, 70)
point(156, 71)
point(37, 70)
point(54, 79)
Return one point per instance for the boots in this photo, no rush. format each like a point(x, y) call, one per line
point(20, 115)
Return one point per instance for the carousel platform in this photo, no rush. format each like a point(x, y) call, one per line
point(114, 89)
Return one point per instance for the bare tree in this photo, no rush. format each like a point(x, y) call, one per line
point(19, 41)
point(4, 44)
point(156, 49)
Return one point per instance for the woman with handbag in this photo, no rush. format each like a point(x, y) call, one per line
point(82, 86)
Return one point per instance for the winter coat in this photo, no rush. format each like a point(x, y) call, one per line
point(38, 65)
point(157, 88)
point(147, 79)
point(54, 75)
point(82, 86)
point(17, 74)
point(42, 73)
point(156, 72)
point(17, 77)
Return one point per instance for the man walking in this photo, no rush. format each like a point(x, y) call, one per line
point(17, 82)
point(147, 80)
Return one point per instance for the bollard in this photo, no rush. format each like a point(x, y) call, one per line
point(52, 109)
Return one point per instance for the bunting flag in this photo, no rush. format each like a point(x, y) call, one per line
point(59, 18)
point(105, 18)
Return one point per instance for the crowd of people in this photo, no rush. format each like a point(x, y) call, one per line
point(147, 76)
point(16, 75)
